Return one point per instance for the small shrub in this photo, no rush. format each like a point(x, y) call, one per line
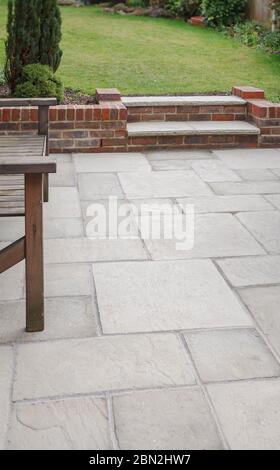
point(249, 33)
point(184, 8)
point(174, 7)
point(256, 34)
point(221, 13)
point(39, 81)
point(271, 41)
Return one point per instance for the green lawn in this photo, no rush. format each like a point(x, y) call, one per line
point(142, 55)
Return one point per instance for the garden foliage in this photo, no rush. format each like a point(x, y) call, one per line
point(33, 36)
point(220, 13)
point(39, 81)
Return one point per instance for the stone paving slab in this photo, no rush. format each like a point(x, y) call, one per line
point(157, 184)
point(241, 159)
point(263, 302)
point(274, 199)
point(231, 355)
point(252, 187)
point(265, 227)
point(99, 364)
point(211, 171)
point(143, 294)
point(71, 424)
point(257, 174)
point(65, 174)
point(165, 419)
point(62, 157)
point(215, 235)
point(109, 163)
point(251, 270)
point(63, 202)
point(12, 283)
point(65, 317)
point(198, 100)
point(6, 373)
point(163, 165)
point(164, 128)
point(98, 186)
point(68, 280)
point(83, 250)
point(159, 155)
point(206, 204)
point(13, 228)
point(71, 227)
point(249, 413)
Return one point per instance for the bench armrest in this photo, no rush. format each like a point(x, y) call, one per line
point(13, 102)
point(22, 165)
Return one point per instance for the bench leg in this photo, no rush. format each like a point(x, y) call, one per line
point(46, 187)
point(34, 252)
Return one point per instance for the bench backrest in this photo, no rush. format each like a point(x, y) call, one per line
point(42, 104)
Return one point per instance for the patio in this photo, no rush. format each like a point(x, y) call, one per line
point(145, 346)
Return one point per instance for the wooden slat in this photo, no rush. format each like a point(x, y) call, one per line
point(12, 185)
point(12, 212)
point(12, 254)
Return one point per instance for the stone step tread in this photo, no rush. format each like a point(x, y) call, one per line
point(144, 101)
point(160, 128)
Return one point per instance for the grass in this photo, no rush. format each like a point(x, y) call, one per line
point(142, 55)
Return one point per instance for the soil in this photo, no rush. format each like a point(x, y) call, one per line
point(78, 97)
point(70, 96)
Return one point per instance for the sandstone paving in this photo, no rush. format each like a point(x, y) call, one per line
point(147, 346)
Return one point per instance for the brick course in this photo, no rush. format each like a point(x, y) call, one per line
point(187, 113)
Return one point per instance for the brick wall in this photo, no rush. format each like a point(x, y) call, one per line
point(264, 114)
point(99, 127)
point(92, 128)
point(102, 127)
point(187, 113)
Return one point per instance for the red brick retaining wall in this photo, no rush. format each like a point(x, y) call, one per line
point(102, 127)
point(187, 113)
point(75, 128)
point(265, 115)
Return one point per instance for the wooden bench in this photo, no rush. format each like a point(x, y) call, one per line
point(23, 187)
point(11, 186)
point(29, 247)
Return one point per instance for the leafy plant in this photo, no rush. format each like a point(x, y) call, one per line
point(39, 81)
point(271, 42)
point(33, 36)
point(220, 13)
point(249, 33)
point(184, 8)
point(252, 33)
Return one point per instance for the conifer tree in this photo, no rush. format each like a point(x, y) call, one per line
point(22, 44)
point(50, 25)
point(33, 36)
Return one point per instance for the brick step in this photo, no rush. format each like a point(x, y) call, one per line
point(185, 108)
point(191, 134)
point(269, 140)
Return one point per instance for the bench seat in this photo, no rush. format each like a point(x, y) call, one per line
point(12, 186)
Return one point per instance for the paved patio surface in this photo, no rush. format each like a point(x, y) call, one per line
point(147, 346)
